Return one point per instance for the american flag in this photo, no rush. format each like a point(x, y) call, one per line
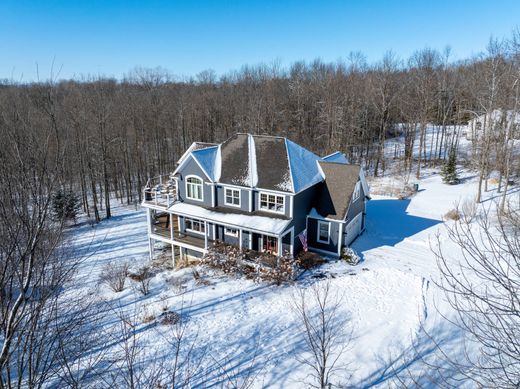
point(303, 239)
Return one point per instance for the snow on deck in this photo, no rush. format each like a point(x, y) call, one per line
point(256, 223)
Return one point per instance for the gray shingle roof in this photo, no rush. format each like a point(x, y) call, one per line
point(336, 192)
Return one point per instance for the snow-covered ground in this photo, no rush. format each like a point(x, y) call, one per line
point(241, 326)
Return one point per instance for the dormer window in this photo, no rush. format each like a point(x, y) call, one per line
point(194, 188)
point(272, 203)
point(232, 197)
point(357, 192)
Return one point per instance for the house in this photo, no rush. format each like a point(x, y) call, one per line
point(264, 193)
point(495, 123)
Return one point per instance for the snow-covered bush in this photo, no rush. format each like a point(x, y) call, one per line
point(114, 275)
point(350, 256)
point(142, 278)
point(169, 318)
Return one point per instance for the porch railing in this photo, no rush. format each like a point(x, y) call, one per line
point(160, 191)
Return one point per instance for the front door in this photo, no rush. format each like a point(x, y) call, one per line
point(269, 244)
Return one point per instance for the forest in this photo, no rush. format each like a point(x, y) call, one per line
point(107, 136)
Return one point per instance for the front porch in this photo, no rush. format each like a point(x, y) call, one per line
point(193, 235)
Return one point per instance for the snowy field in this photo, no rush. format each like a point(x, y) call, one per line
point(244, 329)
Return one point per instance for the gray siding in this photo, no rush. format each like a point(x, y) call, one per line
point(192, 168)
point(357, 206)
point(312, 235)
point(244, 198)
point(303, 202)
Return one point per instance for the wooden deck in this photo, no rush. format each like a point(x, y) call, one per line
point(162, 228)
point(160, 191)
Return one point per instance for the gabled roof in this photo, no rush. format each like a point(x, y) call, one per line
point(194, 146)
point(206, 158)
point(336, 192)
point(336, 157)
point(261, 161)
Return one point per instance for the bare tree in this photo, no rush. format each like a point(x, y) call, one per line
point(484, 290)
point(326, 334)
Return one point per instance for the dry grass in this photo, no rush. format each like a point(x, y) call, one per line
point(454, 214)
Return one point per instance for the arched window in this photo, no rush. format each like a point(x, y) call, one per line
point(194, 188)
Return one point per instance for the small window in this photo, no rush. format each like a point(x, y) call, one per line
point(194, 188)
point(357, 192)
point(231, 232)
point(272, 203)
point(194, 225)
point(323, 231)
point(232, 197)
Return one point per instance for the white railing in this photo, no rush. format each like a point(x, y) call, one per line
point(160, 191)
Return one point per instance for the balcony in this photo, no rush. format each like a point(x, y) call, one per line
point(160, 191)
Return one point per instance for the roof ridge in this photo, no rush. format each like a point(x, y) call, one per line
point(289, 163)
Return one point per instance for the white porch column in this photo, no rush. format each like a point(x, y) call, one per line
point(150, 247)
point(173, 255)
point(205, 235)
point(171, 226)
point(340, 239)
point(240, 239)
point(280, 246)
point(150, 241)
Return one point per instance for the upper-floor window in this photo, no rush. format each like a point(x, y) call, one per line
point(272, 202)
point(357, 192)
point(232, 197)
point(194, 188)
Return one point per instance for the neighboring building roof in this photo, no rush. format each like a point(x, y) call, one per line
point(261, 161)
point(336, 192)
point(269, 224)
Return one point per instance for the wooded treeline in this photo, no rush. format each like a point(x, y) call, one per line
point(113, 135)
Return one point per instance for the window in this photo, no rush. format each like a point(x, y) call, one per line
point(231, 232)
point(194, 225)
point(270, 244)
point(323, 231)
point(272, 203)
point(356, 193)
point(232, 197)
point(194, 188)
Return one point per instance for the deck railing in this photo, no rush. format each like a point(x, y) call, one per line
point(160, 191)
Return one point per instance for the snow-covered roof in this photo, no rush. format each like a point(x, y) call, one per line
point(206, 159)
point(266, 224)
point(496, 116)
point(262, 161)
point(337, 157)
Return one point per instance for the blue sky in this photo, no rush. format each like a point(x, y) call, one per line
point(112, 37)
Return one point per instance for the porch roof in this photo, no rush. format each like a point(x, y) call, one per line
point(270, 225)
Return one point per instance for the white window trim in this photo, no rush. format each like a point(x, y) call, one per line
point(282, 212)
point(239, 197)
point(194, 231)
point(201, 188)
point(318, 232)
point(233, 234)
point(357, 192)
